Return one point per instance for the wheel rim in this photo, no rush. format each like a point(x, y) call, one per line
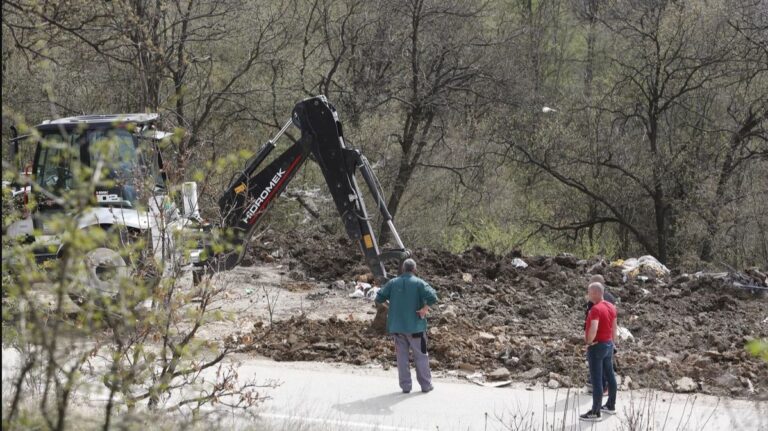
point(106, 270)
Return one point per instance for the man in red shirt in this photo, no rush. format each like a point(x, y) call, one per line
point(600, 331)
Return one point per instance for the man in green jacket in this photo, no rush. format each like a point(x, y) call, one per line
point(409, 300)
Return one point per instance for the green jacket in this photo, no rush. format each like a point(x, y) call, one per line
point(406, 294)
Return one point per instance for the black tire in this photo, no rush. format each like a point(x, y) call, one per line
point(118, 272)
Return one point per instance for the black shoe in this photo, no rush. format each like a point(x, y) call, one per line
point(429, 389)
point(608, 410)
point(406, 391)
point(590, 416)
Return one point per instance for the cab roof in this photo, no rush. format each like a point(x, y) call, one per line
point(98, 121)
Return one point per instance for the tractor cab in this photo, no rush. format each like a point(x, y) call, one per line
point(116, 158)
point(123, 148)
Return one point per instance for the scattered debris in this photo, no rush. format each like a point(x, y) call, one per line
point(372, 292)
point(364, 290)
point(698, 324)
point(519, 263)
point(624, 334)
point(647, 265)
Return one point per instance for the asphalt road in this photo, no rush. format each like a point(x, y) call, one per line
point(327, 396)
point(320, 396)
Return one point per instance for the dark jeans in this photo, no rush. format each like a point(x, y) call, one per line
point(589, 375)
point(600, 358)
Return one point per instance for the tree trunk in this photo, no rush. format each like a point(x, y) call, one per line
point(412, 151)
point(726, 171)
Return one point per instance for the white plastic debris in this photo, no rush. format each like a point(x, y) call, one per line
point(633, 265)
point(519, 263)
point(476, 377)
point(371, 294)
point(362, 286)
point(357, 294)
point(624, 334)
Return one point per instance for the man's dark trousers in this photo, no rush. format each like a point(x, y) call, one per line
point(600, 357)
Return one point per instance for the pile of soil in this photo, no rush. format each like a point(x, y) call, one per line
point(530, 320)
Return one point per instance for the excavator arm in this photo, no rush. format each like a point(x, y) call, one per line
point(253, 190)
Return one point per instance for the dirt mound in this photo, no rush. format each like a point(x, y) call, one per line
point(493, 314)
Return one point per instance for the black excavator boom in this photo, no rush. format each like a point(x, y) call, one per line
point(253, 190)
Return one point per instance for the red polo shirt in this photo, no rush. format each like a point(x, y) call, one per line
point(605, 314)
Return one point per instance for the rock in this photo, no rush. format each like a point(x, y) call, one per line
point(512, 361)
point(560, 379)
point(338, 285)
point(433, 331)
point(292, 339)
point(485, 337)
point(532, 373)
point(449, 312)
point(662, 360)
point(467, 367)
point(533, 357)
point(727, 380)
point(666, 386)
point(553, 384)
point(499, 374)
point(434, 363)
point(326, 346)
point(466, 277)
point(626, 383)
point(685, 385)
